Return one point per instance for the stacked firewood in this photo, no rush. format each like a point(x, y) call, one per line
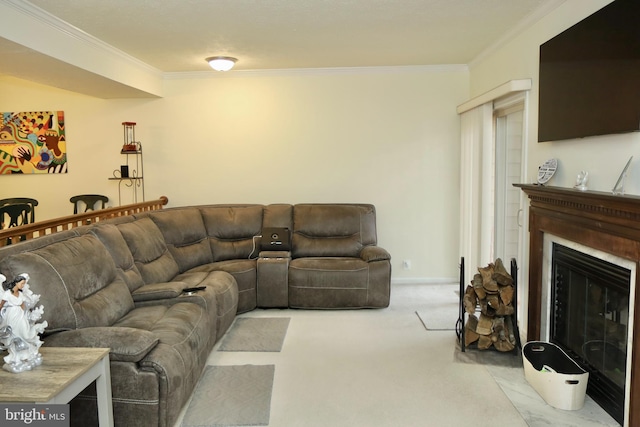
point(491, 290)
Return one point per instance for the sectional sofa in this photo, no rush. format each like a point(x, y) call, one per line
point(120, 284)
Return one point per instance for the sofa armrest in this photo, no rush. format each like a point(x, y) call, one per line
point(125, 344)
point(274, 254)
point(158, 291)
point(374, 253)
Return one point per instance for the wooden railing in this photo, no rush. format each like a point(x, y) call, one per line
point(50, 226)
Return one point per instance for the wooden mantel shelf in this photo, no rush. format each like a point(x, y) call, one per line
point(578, 195)
point(603, 221)
point(618, 214)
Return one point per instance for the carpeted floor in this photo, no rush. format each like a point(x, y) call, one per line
point(383, 368)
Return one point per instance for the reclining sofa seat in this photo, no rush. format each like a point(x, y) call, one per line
point(335, 261)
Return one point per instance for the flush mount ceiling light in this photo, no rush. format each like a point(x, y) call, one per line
point(221, 63)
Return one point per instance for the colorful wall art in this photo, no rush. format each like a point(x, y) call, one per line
point(33, 143)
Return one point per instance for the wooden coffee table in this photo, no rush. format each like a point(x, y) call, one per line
point(64, 372)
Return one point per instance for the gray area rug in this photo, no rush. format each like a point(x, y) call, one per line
point(255, 334)
point(439, 312)
point(237, 395)
point(439, 320)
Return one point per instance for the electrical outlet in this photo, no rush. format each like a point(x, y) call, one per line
point(406, 264)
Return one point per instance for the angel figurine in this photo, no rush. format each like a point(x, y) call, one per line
point(19, 332)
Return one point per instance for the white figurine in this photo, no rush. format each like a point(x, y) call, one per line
point(19, 332)
point(581, 181)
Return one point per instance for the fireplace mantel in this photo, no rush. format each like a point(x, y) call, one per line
point(603, 221)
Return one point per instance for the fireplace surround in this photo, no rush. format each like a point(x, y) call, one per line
point(602, 221)
point(589, 314)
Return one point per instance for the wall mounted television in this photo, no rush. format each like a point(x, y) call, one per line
point(590, 76)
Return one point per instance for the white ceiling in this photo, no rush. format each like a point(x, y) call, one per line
point(176, 35)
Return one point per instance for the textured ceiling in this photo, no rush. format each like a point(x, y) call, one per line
point(176, 35)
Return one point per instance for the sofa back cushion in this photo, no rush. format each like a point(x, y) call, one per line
point(278, 215)
point(231, 230)
point(150, 253)
point(185, 236)
point(77, 283)
point(337, 230)
point(112, 239)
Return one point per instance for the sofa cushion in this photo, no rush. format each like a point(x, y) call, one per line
point(327, 230)
point(232, 230)
point(225, 288)
point(112, 239)
point(182, 325)
point(183, 330)
point(77, 281)
point(125, 344)
point(185, 236)
point(147, 245)
point(328, 283)
point(278, 215)
point(244, 272)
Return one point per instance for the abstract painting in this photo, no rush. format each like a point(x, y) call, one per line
point(33, 143)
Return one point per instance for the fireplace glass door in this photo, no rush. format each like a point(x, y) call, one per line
point(589, 320)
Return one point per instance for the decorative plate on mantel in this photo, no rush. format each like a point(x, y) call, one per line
point(546, 171)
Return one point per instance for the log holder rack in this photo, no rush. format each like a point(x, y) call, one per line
point(460, 324)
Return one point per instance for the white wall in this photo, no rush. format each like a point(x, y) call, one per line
point(603, 157)
point(384, 136)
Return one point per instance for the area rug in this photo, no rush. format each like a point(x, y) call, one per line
point(256, 334)
point(439, 311)
point(236, 395)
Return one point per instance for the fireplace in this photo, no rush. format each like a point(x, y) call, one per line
point(589, 318)
point(579, 235)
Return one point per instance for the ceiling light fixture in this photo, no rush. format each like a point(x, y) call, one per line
point(221, 63)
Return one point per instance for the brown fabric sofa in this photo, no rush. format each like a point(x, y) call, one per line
point(119, 284)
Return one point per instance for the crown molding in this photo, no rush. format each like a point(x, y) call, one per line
point(520, 27)
point(405, 69)
point(43, 17)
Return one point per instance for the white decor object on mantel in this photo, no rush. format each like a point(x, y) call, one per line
point(581, 181)
point(546, 171)
point(618, 189)
point(19, 330)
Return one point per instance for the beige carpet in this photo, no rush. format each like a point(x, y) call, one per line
point(232, 396)
point(383, 368)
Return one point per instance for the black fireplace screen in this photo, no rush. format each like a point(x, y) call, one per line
point(589, 320)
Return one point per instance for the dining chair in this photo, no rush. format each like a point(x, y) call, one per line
point(90, 201)
point(22, 200)
point(17, 214)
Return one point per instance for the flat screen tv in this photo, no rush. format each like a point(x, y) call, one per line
point(590, 76)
